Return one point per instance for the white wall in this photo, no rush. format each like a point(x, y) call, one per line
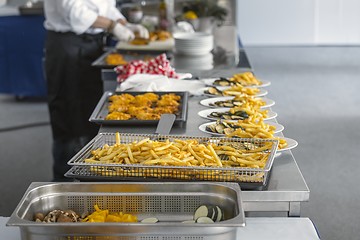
point(299, 22)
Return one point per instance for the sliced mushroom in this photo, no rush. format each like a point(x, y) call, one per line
point(39, 217)
point(64, 218)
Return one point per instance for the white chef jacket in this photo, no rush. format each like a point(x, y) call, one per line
point(78, 15)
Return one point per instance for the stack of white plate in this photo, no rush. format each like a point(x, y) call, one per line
point(196, 62)
point(197, 43)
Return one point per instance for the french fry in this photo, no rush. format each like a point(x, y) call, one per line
point(131, 157)
point(180, 153)
point(217, 159)
point(117, 138)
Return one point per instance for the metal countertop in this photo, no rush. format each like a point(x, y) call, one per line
point(286, 184)
point(256, 228)
point(286, 188)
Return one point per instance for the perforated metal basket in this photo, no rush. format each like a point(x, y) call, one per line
point(171, 203)
point(137, 171)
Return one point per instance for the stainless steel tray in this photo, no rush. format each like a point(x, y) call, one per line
point(171, 203)
point(101, 110)
point(128, 55)
point(98, 171)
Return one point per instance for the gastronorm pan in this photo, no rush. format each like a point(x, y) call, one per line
point(171, 203)
point(249, 177)
point(101, 110)
point(128, 55)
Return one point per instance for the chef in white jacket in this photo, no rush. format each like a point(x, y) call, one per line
point(75, 32)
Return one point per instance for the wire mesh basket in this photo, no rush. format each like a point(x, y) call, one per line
point(243, 147)
point(170, 203)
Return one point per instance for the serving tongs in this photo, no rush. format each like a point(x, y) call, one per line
point(164, 126)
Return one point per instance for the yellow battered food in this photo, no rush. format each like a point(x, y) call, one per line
point(139, 41)
point(153, 36)
point(115, 59)
point(159, 35)
point(148, 106)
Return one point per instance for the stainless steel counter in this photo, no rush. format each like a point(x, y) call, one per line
point(286, 188)
point(256, 228)
point(8, 10)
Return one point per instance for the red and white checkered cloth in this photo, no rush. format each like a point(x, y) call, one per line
point(159, 65)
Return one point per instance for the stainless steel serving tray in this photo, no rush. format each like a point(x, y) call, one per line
point(101, 110)
point(249, 178)
point(171, 203)
point(128, 55)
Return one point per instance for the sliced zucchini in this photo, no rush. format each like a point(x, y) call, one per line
point(220, 214)
point(201, 211)
point(189, 221)
point(211, 212)
point(204, 220)
point(150, 220)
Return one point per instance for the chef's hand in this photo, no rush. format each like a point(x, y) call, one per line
point(122, 33)
point(139, 30)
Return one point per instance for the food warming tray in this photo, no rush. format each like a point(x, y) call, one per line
point(127, 55)
point(101, 110)
point(171, 203)
point(249, 178)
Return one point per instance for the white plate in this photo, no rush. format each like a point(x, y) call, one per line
point(196, 36)
point(201, 91)
point(203, 126)
point(210, 81)
point(197, 52)
point(291, 144)
point(205, 113)
point(206, 102)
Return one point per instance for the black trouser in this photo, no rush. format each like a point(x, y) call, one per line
point(74, 88)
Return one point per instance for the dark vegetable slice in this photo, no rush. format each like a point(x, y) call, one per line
point(206, 212)
point(220, 214)
point(228, 104)
point(242, 114)
point(213, 91)
point(228, 130)
point(222, 82)
point(219, 128)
